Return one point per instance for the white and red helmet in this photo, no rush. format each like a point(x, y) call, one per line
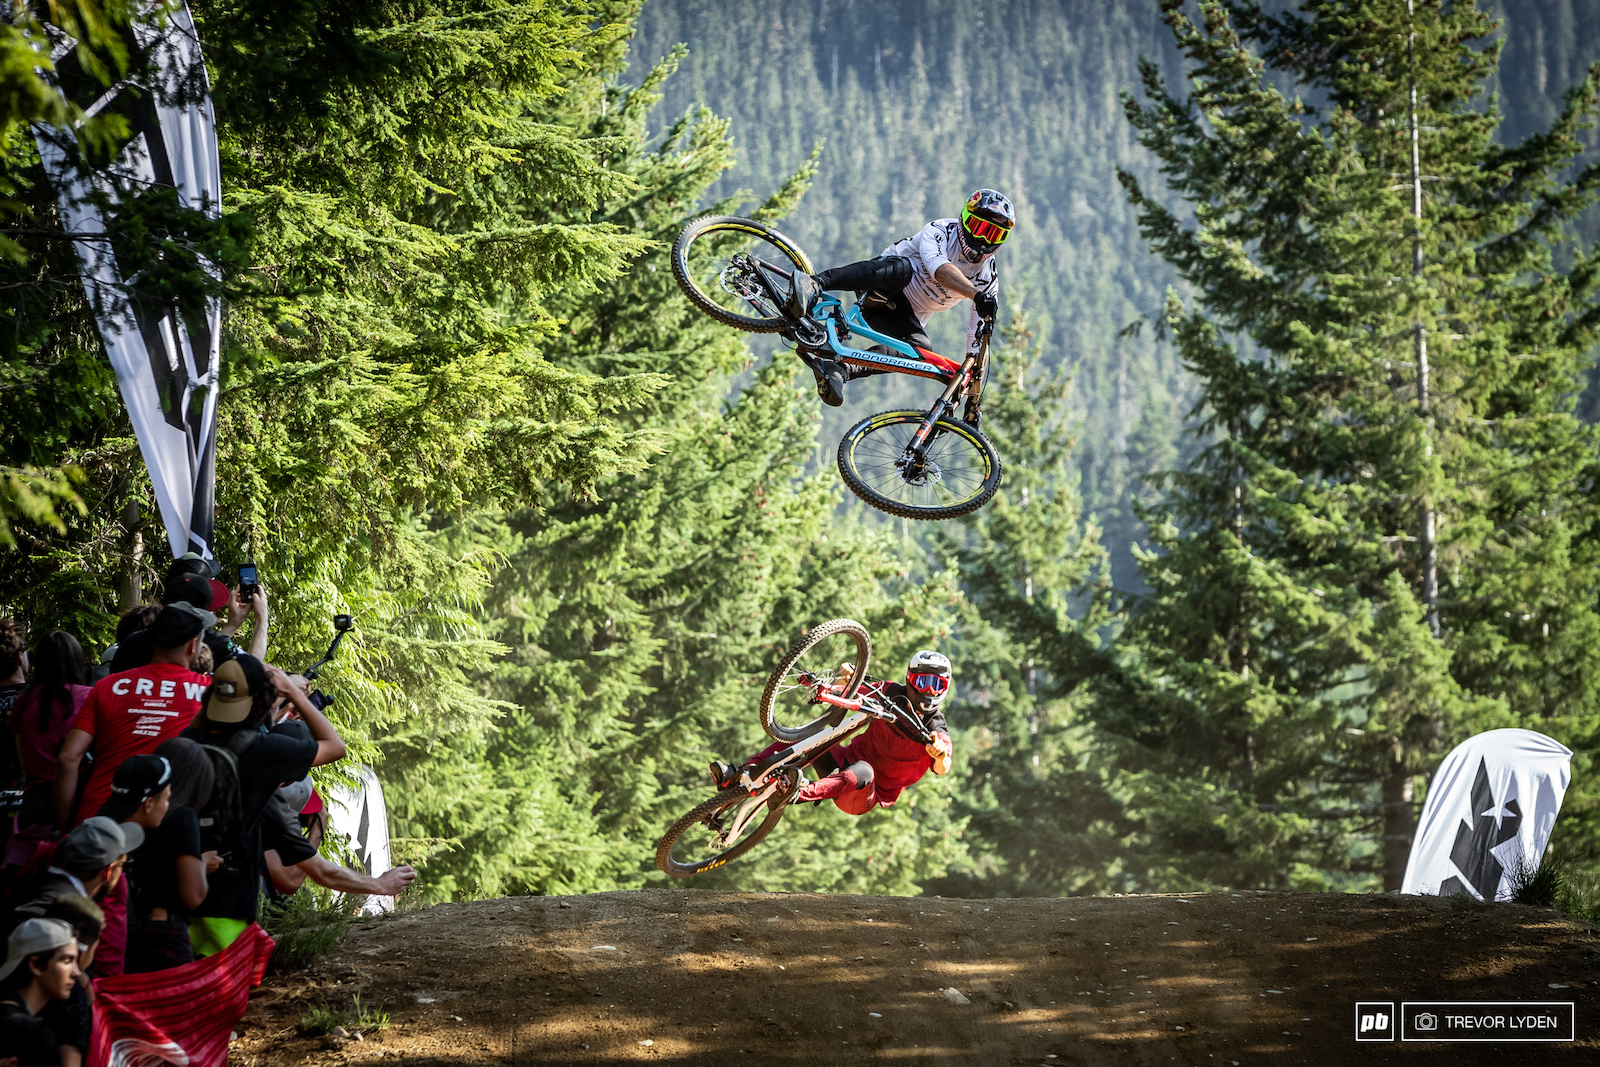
point(928, 678)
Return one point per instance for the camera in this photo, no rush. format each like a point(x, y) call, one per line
point(344, 623)
point(1426, 1021)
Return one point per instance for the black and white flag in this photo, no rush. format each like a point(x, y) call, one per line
point(165, 355)
point(1489, 814)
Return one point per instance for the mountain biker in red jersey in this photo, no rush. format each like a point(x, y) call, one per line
point(947, 261)
point(874, 767)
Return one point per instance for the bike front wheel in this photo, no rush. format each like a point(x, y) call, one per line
point(958, 473)
point(714, 260)
point(789, 708)
point(707, 838)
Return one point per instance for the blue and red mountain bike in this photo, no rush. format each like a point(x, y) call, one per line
point(916, 464)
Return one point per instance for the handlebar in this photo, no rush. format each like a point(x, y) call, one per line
point(878, 709)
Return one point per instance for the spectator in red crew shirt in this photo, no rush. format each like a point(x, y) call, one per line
point(131, 713)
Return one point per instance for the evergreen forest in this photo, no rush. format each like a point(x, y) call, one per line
point(1298, 426)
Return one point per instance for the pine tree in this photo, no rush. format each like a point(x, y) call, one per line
point(1276, 667)
point(1038, 786)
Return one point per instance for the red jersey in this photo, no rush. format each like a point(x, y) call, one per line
point(130, 714)
point(897, 761)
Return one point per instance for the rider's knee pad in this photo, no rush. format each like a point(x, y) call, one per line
point(859, 774)
point(891, 272)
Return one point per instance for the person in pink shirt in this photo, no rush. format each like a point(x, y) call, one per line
point(132, 713)
point(39, 721)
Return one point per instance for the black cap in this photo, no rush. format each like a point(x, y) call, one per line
point(188, 589)
point(180, 623)
point(139, 778)
point(191, 563)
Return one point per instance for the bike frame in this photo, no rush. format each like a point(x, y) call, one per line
point(964, 379)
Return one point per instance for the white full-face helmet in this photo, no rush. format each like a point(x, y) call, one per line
point(928, 679)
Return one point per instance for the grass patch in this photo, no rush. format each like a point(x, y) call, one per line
point(308, 925)
point(324, 1018)
point(1564, 880)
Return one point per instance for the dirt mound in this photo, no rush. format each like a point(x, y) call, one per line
point(692, 977)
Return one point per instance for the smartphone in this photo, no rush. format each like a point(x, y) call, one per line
point(249, 581)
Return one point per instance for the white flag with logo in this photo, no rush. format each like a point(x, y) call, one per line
point(165, 356)
point(362, 818)
point(1489, 814)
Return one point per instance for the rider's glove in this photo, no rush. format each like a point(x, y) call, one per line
point(986, 304)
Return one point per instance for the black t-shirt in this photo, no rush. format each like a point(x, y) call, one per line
point(281, 755)
point(26, 1036)
point(139, 648)
point(153, 866)
point(10, 768)
point(281, 830)
point(71, 1020)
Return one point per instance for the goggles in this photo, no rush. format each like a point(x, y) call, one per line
point(983, 230)
point(931, 684)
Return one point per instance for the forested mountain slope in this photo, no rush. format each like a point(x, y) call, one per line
point(916, 102)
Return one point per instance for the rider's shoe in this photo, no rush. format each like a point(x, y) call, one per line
point(830, 382)
point(802, 295)
point(724, 774)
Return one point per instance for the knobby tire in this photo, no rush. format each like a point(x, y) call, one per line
point(830, 715)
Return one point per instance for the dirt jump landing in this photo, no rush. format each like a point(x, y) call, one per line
point(688, 977)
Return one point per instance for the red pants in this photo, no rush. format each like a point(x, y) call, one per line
point(850, 787)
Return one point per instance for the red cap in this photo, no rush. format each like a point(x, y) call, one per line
point(220, 595)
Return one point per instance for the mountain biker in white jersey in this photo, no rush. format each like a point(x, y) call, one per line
point(946, 262)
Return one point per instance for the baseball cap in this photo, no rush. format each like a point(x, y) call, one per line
point(233, 688)
point(35, 936)
point(139, 778)
point(179, 622)
point(220, 595)
point(188, 588)
point(97, 842)
point(192, 563)
point(297, 794)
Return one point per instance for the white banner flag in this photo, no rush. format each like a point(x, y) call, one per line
point(361, 816)
point(1489, 814)
point(165, 357)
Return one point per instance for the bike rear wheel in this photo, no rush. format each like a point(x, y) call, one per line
point(692, 847)
point(788, 709)
point(959, 473)
point(713, 262)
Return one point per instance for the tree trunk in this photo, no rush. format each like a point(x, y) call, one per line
point(130, 584)
point(1398, 827)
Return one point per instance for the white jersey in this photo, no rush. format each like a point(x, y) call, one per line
point(938, 243)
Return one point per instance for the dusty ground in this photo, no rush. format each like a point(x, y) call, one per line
point(691, 977)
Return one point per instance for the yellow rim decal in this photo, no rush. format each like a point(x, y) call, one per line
point(948, 426)
point(771, 235)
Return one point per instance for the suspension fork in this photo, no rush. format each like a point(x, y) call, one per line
point(946, 402)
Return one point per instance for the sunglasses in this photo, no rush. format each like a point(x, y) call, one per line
point(984, 230)
point(932, 684)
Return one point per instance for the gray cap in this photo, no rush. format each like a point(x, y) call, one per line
point(35, 936)
point(97, 842)
point(296, 794)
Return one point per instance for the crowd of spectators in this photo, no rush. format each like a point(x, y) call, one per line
point(149, 803)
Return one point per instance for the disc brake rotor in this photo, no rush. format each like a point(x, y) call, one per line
point(917, 472)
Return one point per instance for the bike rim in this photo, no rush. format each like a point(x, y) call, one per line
point(705, 844)
point(719, 262)
point(793, 701)
point(955, 468)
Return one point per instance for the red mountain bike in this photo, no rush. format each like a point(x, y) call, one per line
point(811, 707)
